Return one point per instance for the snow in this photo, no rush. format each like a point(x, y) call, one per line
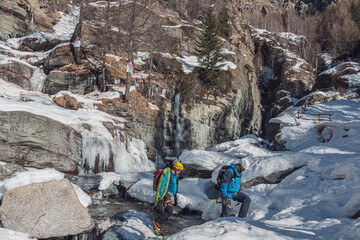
point(291, 37)
point(136, 226)
point(111, 177)
point(143, 189)
point(40, 176)
point(129, 153)
point(315, 201)
point(33, 176)
point(153, 106)
point(208, 160)
point(84, 199)
point(64, 29)
point(230, 228)
point(7, 234)
point(353, 79)
point(188, 63)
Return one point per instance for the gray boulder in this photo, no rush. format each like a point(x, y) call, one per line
point(37, 141)
point(7, 170)
point(78, 83)
point(13, 20)
point(45, 210)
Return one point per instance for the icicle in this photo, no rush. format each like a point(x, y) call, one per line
point(95, 147)
point(130, 155)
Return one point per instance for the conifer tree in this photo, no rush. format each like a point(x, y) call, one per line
point(355, 13)
point(208, 51)
point(224, 26)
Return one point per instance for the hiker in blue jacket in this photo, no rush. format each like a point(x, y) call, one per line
point(166, 193)
point(230, 189)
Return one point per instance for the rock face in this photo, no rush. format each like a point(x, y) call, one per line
point(285, 75)
point(45, 210)
point(19, 18)
point(36, 141)
point(9, 169)
point(17, 73)
point(336, 77)
point(174, 127)
point(13, 19)
point(78, 83)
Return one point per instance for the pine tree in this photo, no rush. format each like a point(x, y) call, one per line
point(355, 13)
point(224, 26)
point(208, 51)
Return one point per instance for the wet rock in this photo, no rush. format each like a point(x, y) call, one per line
point(45, 210)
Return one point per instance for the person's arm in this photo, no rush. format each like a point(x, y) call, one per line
point(225, 183)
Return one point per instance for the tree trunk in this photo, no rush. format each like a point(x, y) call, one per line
point(130, 51)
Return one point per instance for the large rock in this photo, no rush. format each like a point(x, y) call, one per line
point(61, 56)
point(79, 83)
point(13, 20)
point(7, 170)
point(17, 73)
point(37, 141)
point(285, 74)
point(45, 210)
point(337, 77)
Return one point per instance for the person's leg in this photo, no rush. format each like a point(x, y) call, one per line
point(245, 203)
point(165, 216)
point(167, 211)
point(225, 209)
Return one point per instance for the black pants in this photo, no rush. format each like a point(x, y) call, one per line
point(241, 197)
point(166, 209)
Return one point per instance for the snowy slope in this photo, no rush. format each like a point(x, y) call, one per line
point(314, 202)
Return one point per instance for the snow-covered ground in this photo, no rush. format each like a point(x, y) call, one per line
point(316, 201)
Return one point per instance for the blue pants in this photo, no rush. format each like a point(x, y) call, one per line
point(242, 198)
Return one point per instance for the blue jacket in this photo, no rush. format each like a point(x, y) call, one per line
point(172, 188)
point(230, 184)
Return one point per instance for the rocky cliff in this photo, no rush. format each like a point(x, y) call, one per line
point(171, 111)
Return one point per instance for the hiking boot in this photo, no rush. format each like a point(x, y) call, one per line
point(156, 226)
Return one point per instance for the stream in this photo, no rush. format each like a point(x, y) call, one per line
point(102, 209)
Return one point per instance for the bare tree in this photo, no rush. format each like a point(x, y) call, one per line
point(135, 26)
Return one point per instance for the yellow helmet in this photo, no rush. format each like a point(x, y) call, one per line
point(178, 166)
